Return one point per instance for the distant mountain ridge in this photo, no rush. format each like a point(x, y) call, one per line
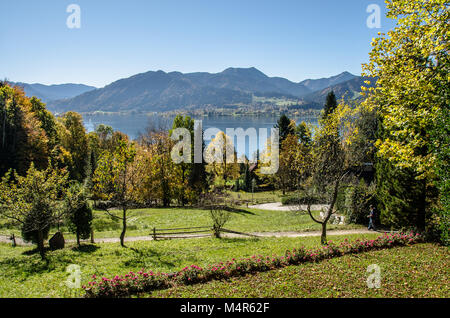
point(350, 89)
point(53, 92)
point(319, 84)
point(161, 91)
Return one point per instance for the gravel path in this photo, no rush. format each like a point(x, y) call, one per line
point(277, 206)
point(259, 234)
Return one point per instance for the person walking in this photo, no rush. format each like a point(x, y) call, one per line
point(371, 217)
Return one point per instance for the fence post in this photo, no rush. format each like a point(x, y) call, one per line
point(154, 234)
point(92, 236)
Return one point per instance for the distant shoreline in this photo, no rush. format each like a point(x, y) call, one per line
point(312, 113)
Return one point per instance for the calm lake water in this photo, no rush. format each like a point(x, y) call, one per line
point(134, 124)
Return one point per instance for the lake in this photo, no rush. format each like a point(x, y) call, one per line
point(134, 124)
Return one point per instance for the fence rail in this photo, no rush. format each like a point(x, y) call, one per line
point(173, 233)
point(179, 232)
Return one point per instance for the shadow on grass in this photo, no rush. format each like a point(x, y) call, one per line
point(231, 240)
point(143, 257)
point(36, 251)
point(89, 248)
point(238, 210)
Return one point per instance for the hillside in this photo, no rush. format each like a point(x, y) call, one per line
point(53, 92)
point(161, 91)
point(349, 90)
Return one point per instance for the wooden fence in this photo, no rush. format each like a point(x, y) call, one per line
point(180, 232)
point(189, 232)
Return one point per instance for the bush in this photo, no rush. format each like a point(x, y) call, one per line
point(79, 212)
point(357, 201)
point(31, 221)
point(219, 216)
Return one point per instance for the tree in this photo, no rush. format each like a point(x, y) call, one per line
point(294, 164)
point(116, 181)
point(285, 126)
point(217, 154)
point(331, 164)
point(303, 132)
point(162, 178)
point(248, 176)
point(411, 64)
point(34, 201)
point(105, 134)
point(193, 173)
point(79, 213)
point(47, 121)
point(74, 139)
point(22, 140)
point(216, 203)
point(330, 105)
point(442, 170)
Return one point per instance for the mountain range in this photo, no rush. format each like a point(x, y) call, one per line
point(53, 92)
point(161, 91)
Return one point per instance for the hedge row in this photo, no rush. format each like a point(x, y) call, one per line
point(135, 283)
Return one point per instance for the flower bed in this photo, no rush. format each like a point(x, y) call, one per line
point(135, 283)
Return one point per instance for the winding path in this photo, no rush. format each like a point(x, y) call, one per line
point(19, 241)
point(277, 206)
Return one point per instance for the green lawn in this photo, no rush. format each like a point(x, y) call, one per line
point(141, 222)
point(23, 274)
point(417, 271)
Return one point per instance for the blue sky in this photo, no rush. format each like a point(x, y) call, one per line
point(296, 39)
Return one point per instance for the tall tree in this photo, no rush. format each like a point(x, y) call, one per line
point(74, 139)
point(186, 169)
point(163, 177)
point(294, 164)
point(219, 149)
point(303, 132)
point(116, 181)
point(411, 64)
point(286, 127)
point(22, 140)
point(442, 149)
point(330, 104)
point(332, 163)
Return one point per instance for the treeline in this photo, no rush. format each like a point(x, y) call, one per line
point(51, 168)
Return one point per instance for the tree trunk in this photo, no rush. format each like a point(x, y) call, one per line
point(78, 238)
point(124, 228)
point(182, 188)
point(421, 212)
point(41, 244)
point(323, 237)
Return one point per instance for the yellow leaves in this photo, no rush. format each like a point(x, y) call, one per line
point(410, 85)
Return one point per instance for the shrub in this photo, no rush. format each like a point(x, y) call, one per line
point(121, 286)
point(357, 202)
point(30, 223)
point(79, 212)
point(219, 216)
